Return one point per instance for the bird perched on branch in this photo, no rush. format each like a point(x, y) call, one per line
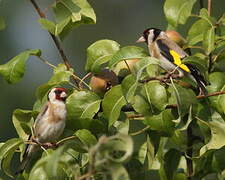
point(48, 126)
point(171, 56)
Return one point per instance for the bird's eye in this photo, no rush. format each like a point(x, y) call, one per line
point(58, 91)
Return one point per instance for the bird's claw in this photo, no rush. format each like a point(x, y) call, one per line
point(49, 145)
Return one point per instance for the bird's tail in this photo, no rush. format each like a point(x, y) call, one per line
point(26, 157)
point(22, 165)
point(198, 77)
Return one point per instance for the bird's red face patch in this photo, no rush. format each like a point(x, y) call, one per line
point(60, 94)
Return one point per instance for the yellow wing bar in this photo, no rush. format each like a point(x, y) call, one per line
point(178, 62)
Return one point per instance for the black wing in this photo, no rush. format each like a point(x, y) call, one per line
point(164, 50)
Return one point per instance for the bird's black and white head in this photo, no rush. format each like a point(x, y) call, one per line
point(57, 94)
point(150, 35)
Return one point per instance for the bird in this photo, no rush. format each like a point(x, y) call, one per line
point(171, 55)
point(48, 125)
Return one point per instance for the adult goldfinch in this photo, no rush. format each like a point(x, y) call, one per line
point(171, 56)
point(48, 125)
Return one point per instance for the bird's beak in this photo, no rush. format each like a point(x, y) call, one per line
point(63, 96)
point(141, 39)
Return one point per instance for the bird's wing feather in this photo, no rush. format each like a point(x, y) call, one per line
point(173, 46)
point(42, 113)
point(172, 55)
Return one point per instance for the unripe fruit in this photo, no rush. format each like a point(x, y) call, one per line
point(176, 37)
point(122, 69)
point(102, 82)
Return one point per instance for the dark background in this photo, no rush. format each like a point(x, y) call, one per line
point(119, 20)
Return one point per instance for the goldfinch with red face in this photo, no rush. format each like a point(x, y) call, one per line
point(171, 56)
point(49, 124)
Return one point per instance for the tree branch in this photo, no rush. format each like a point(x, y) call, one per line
point(209, 7)
point(55, 39)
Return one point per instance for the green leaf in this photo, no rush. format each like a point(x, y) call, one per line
point(205, 15)
point(194, 34)
point(86, 137)
point(71, 14)
point(21, 121)
point(52, 166)
point(217, 82)
point(217, 127)
point(171, 162)
point(6, 152)
point(48, 25)
point(209, 40)
point(112, 106)
point(162, 122)
point(53, 28)
point(220, 102)
point(100, 52)
point(178, 11)
point(82, 104)
point(67, 8)
point(142, 153)
point(2, 23)
point(129, 86)
point(6, 165)
point(143, 64)
point(127, 52)
point(156, 95)
point(184, 99)
point(14, 69)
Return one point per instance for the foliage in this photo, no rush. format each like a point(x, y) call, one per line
point(148, 130)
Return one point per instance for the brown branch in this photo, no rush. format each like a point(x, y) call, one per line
point(209, 95)
point(55, 39)
point(209, 7)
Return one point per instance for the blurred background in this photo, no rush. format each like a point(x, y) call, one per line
point(119, 20)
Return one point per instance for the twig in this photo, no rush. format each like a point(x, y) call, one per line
point(82, 80)
point(56, 41)
point(140, 131)
point(209, 95)
point(46, 62)
point(134, 116)
point(209, 7)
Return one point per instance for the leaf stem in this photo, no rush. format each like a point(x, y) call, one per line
point(56, 40)
point(65, 139)
point(140, 131)
point(46, 62)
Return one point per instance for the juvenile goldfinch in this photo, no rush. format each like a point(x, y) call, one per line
point(171, 56)
point(49, 124)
